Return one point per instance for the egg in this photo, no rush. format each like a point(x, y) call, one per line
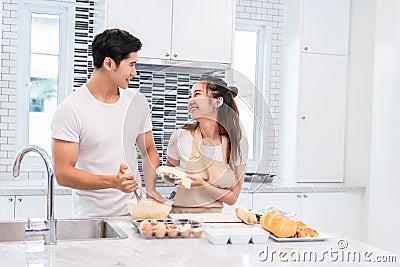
point(146, 229)
point(184, 230)
point(160, 230)
point(197, 231)
point(172, 230)
point(146, 225)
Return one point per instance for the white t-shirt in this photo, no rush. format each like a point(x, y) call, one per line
point(104, 132)
point(180, 148)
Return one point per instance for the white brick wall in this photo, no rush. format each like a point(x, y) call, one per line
point(8, 87)
point(272, 12)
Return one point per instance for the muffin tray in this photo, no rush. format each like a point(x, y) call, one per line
point(168, 228)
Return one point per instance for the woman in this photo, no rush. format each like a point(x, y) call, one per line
point(212, 151)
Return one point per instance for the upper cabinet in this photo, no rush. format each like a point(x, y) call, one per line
point(149, 20)
point(325, 26)
point(187, 30)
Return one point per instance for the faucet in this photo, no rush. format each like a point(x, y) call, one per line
point(48, 230)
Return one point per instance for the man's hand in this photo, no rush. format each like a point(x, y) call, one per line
point(125, 181)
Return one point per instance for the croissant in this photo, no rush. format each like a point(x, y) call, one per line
point(307, 232)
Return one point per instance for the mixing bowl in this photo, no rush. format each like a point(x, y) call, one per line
point(148, 209)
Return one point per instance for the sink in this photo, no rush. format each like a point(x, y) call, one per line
point(67, 230)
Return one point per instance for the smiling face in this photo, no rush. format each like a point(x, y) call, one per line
point(200, 104)
point(125, 71)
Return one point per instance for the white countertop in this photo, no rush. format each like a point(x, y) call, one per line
point(39, 187)
point(136, 251)
point(30, 187)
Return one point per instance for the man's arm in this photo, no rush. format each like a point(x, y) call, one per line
point(65, 156)
point(147, 147)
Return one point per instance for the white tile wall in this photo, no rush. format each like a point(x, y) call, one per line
point(8, 87)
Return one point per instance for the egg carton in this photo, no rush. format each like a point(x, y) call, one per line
point(170, 228)
point(236, 236)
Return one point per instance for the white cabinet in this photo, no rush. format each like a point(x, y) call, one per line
point(150, 21)
point(30, 207)
point(188, 30)
point(325, 26)
point(22, 207)
point(245, 200)
point(202, 30)
point(63, 206)
point(324, 211)
point(283, 201)
point(7, 208)
point(321, 118)
point(316, 152)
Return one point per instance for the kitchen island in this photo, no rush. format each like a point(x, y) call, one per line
point(136, 251)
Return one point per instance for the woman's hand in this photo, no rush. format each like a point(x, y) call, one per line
point(169, 181)
point(197, 180)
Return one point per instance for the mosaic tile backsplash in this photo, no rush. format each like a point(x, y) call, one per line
point(167, 94)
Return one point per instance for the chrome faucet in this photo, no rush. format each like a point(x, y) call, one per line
point(48, 230)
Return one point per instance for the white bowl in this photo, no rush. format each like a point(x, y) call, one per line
point(148, 209)
point(259, 236)
point(217, 236)
point(240, 236)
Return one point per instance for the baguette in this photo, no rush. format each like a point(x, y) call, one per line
point(246, 216)
point(278, 224)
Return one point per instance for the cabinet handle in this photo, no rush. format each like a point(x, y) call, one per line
point(175, 55)
point(10, 199)
point(299, 195)
point(167, 54)
point(303, 117)
point(19, 199)
point(305, 48)
point(305, 196)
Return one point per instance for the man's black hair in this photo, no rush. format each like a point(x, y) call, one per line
point(114, 43)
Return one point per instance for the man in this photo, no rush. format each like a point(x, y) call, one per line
point(90, 135)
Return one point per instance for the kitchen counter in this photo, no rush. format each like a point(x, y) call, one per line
point(292, 187)
point(39, 187)
point(30, 187)
point(136, 251)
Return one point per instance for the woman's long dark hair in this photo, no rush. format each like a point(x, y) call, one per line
point(228, 114)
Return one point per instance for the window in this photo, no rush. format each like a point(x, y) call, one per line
point(250, 68)
point(45, 67)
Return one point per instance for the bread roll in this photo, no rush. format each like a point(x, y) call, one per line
point(278, 224)
point(246, 216)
